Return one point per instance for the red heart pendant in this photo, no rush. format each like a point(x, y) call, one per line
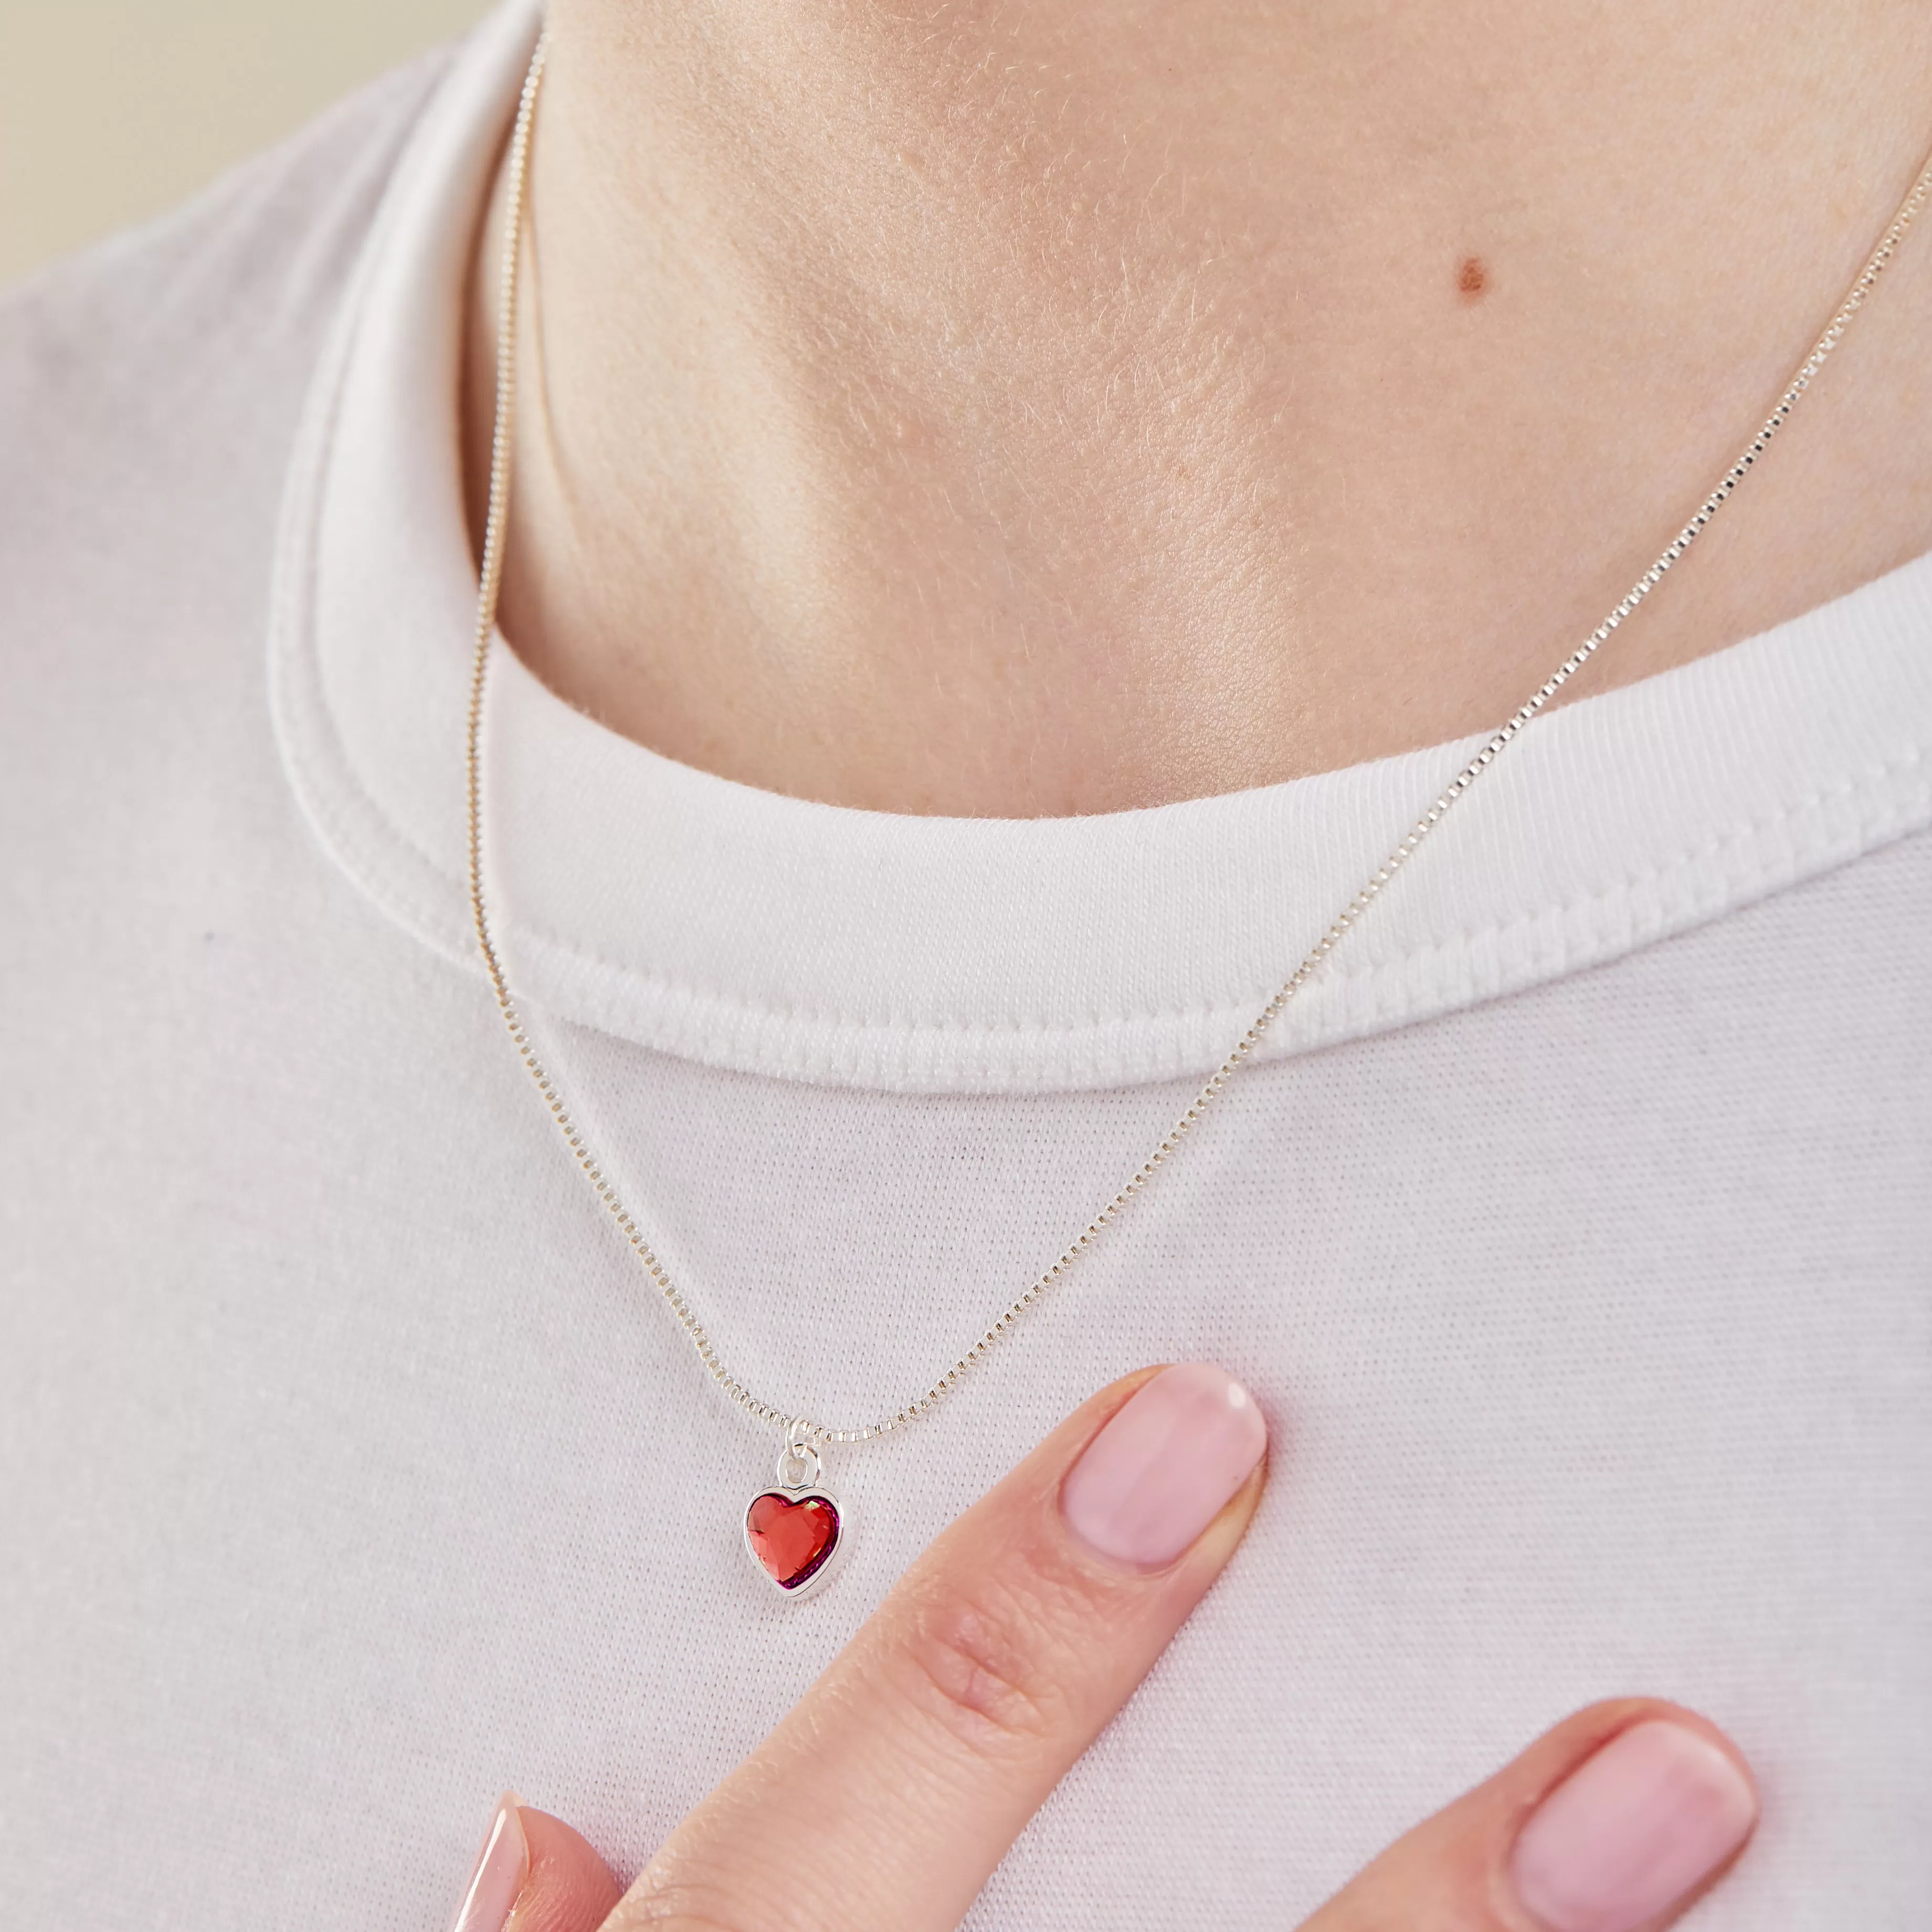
point(792, 1536)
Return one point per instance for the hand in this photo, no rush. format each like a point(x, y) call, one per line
point(1003, 1652)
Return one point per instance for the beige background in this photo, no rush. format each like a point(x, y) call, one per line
point(111, 110)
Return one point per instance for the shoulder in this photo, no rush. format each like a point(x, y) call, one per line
point(184, 344)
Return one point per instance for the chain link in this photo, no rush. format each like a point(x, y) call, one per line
point(800, 1430)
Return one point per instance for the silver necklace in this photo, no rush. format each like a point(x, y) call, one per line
point(794, 1530)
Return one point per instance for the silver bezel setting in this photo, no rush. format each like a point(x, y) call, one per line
point(793, 1592)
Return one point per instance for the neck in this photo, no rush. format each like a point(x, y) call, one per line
point(1085, 406)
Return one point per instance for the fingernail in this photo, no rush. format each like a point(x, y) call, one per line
point(1164, 1467)
point(502, 1867)
point(1632, 1831)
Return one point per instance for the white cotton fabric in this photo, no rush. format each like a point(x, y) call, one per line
point(1576, 1234)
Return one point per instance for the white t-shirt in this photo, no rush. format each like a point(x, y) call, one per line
point(1575, 1231)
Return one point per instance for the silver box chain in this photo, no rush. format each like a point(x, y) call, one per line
point(802, 1428)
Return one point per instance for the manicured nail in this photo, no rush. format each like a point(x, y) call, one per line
point(1164, 1467)
point(502, 1867)
point(1633, 1830)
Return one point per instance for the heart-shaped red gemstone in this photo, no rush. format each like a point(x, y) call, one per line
point(792, 1536)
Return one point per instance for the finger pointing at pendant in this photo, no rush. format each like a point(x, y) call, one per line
point(883, 1801)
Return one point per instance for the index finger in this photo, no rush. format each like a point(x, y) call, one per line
point(882, 1802)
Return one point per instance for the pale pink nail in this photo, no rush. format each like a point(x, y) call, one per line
point(1635, 1828)
point(1164, 1468)
point(502, 1867)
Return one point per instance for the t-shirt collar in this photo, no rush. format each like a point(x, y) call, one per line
point(748, 930)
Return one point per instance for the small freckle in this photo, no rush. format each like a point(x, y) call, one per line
point(1472, 278)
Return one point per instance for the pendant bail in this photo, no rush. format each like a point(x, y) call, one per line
point(799, 1463)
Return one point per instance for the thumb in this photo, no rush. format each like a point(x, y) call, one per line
point(1617, 1820)
point(535, 1874)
